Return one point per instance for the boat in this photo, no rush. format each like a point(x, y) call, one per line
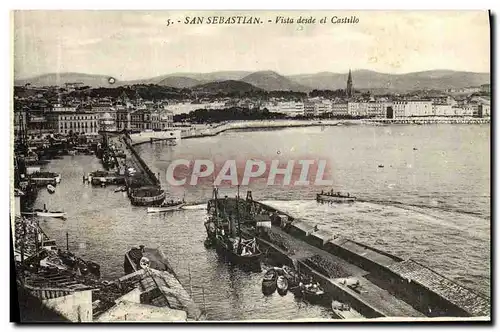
point(239, 251)
point(120, 189)
point(166, 206)
point(51, 189)
point(380, 166)
point(53, 214)
point(269, 280)
point(344, 311)
point(335, 197)
point(312, 292)
point(282, 285)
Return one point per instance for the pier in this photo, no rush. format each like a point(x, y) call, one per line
point(143, 186)
point(389, 286)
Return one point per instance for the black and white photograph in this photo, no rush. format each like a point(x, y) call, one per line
point(250, 166)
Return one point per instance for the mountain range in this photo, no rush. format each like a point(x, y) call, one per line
point(271, 80)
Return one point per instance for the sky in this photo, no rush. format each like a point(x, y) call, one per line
point(139, 44)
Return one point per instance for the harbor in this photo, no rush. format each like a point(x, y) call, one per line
point(183, 235)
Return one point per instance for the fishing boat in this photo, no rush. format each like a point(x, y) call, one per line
point(51, 189)
point(166, 207)
point(239, 251)
point(53, 214)
point(269, 279)
point(335, 197)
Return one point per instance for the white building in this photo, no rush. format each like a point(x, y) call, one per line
point(357, 108)
point(290, 108)
point(64, 108)
point(81, 122)
point(378, 109)
point(409, 108)
point(339, 109)
point(442, 110)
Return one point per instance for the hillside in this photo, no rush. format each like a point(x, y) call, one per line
point(272, 81)
point(367, 79)
point(179, 82)
point(229, 86)
point(62, 78)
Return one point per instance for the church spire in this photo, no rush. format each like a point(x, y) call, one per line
point(349, 90)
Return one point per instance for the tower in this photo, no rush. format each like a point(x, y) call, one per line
point(349, 90)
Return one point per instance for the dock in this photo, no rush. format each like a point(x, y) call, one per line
point(389, 286)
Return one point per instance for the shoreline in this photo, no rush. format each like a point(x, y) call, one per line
point(205, 130)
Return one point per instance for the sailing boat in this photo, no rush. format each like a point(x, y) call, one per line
point(237, 249)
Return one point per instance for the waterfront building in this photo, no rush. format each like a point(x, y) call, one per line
point(122, 117)
point(107, 122)
point(407, 108)
point(483, 110)
point(339, 109)
point(357, 108)
point(442, 110)
point(290, 108)
point(377, 109)
point(79, 122)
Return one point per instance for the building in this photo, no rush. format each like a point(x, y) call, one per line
point(107, 122)
point(58, 108)
point(484, 110)
point(486, 88)
point(79, 122)
point(122, 118)
point(339, 109)
point(309, 109)
point(377, 109)
point(290, 108)
point(408, 108)
point(357, 108)
point(20, 122)
point(349, 90)
point(442, 110)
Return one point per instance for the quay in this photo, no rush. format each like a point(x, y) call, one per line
point(389, 286)
point(143, 186)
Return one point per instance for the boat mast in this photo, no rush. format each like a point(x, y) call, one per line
point(238, 218)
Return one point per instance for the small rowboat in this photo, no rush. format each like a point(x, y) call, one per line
point(282, 285)
point(166, 207)
point(53, 214)
point(51, 189)
point(269, 280)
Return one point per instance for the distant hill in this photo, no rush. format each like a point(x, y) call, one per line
point(367, 79)
point(62, 78)
point(216, 76)
point(272, 81)
point(228, 86)
point(179, 82)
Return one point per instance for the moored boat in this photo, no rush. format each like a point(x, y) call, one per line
point(282, 285)
point(344, 311)
point(166, 207)
point(228, 239)
point(51, 189)
point(53, 214)
point(269, 280)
